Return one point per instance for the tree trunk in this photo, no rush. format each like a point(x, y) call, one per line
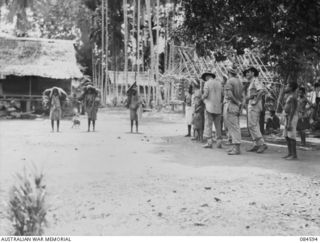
point(151, 46)
point(102, 47)
point(125, 16)
point(158, 96)
point(166, 39)
point(138, 36)
point(106, 53)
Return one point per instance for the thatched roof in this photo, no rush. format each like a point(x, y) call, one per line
point(38, 57)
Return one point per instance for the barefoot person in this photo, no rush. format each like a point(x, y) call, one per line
point(91, 100)
point(133, 103)
point(291, 120)
point(54, 98)
point(256, 91)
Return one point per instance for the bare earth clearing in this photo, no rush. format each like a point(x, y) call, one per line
point(112, 182)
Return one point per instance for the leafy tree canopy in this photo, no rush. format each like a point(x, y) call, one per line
point(286, 31)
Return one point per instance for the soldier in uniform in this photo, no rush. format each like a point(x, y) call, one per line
point(232, 109)
point(256, 91)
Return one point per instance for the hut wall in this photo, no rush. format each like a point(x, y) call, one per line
point(14, 85)
point(18, 88)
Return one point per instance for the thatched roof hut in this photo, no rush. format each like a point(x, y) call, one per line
point(30, 66)
point(38, 57)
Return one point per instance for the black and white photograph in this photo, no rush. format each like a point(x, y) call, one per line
point(159, 118)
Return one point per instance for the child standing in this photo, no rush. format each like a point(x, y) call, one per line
point(291, 120)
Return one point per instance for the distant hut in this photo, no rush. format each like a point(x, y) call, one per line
point(29, 66)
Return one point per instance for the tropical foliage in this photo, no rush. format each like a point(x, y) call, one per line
point(286, 31)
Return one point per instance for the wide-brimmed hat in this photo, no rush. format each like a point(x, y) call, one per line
point(252, 69)
point(204, 75)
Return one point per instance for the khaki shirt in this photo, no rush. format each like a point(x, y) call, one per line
point(236, 87)
point(255, 86)
point(212, 96)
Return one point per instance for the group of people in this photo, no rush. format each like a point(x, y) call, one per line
point(220, 102)
point(55, 97)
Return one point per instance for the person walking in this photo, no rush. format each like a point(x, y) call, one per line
point(212, 97)
point(256, 91)
point(232, 109)
point(291, 120)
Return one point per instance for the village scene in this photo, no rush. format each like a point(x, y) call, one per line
point(160, 118)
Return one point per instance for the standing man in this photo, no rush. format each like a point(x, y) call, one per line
point(256, 91)
point(232, 109)
point(212, 97)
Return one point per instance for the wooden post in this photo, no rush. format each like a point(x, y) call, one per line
point(30, 94)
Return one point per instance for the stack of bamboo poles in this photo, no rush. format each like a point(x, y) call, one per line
point(184, 63)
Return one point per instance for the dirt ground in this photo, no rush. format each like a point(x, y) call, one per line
point(158, 182)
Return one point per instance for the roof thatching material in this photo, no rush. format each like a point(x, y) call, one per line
point(38, 57)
